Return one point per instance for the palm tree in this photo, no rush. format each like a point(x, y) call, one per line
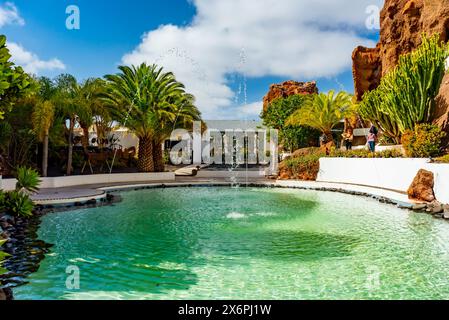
point(323, 111)
point(43, 116)
point(93, 108)
point(42, 119)
point(71, 103)
point(151, 103)
point(180, 112)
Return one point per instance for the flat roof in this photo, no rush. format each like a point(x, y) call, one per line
point(222, 125)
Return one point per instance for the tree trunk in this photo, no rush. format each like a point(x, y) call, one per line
point(158, 157)
point(45, 156)
point(85, 140)
point(145, 161)
point(70, 153)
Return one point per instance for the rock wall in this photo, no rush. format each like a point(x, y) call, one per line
point(441, 114)
point(402, 22)
point(287, 89)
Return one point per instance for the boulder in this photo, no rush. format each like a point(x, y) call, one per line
point(287, 89)
point(421, 188)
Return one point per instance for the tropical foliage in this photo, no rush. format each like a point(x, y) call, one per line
point(14, 82)
point(291, 137)
point(406, 96)
point(425, 141)
point(151, 103)
point(3, 255)
point(324, 111)
point(18, 202)
point(27, 180)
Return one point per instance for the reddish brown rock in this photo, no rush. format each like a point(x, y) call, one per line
point(422, 187)
point(287, 89)
point(441, 114)
point(367, 69)
point(402, 23)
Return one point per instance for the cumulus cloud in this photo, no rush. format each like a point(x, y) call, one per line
point(30, 62)
point(298, 39)
point(10, 15)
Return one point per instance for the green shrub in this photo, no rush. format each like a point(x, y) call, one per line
point(27, 179)
point(291, 137)
point(304, 167)
point(443, 159)
point(364, 153)
point(18, 204)
point(425, 141)
point(3, 255)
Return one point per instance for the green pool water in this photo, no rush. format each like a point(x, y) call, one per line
point(243, 243)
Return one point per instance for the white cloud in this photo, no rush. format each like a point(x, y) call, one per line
point(30, 62)
point(10, 15)
point(298, 39)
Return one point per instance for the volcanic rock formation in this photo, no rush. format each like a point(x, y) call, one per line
point(421, 188)
point(287, 89)
point(402, 23)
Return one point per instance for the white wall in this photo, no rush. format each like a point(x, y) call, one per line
point(61, 182)
point(441, 172)
point(395, 174)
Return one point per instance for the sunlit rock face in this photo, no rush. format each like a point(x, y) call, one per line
point(402, 23)
point(421, 188)
point(287, 89)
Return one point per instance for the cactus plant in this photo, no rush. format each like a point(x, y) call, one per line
point(406, 95)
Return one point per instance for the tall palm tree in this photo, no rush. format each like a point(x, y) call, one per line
point(93, 108)
point(180, 112)
point(43, 116)
point(151, 103)
point(323, 111)
point(72, 104)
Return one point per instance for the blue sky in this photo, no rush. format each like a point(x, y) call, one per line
point(214, 46)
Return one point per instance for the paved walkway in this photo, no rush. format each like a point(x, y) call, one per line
point(71, 195)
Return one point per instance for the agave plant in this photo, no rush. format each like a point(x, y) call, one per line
point(18, 204)
point(27, 180)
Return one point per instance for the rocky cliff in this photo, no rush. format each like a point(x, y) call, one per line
point(287, 89)
point(402, 22)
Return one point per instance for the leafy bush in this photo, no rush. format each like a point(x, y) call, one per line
point(292, 137)
point(18, 204)
point(364, 153)
point(425, 141)
point(443, 159)
point(406, 96)
point(305, 167)
point(305, 164)
point(27, 179)
point(3, 255)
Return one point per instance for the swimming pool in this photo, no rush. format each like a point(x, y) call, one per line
point(242, 243)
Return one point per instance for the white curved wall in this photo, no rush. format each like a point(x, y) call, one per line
point(61, 182)
point(395, 174)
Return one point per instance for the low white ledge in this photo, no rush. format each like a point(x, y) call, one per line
point(71, 181)
point(392, 174)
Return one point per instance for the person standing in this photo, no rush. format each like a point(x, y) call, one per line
point(348, 138)
point(372, 137)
